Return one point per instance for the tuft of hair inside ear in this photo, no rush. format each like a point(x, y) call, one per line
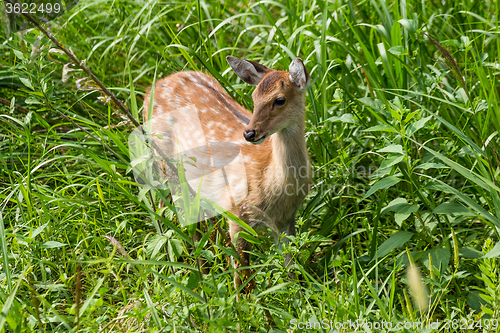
point(246, 70)
point(299, 74)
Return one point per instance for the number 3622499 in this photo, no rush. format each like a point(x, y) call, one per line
point(32, 8)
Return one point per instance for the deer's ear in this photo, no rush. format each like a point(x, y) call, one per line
point(249, 71)
point(299, 74)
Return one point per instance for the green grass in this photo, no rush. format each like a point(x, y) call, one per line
point(402, 128)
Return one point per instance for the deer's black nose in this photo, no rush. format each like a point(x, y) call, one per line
point(249, 135)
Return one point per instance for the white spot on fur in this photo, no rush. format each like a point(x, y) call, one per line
point(165, 93)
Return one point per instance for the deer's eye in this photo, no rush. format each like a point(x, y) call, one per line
point(280, 101)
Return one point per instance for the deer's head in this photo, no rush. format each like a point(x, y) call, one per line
point(278, 99)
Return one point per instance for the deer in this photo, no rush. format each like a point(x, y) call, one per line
point(271, 140)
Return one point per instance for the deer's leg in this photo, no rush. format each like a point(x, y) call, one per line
point(242, 247)
point(255, 217)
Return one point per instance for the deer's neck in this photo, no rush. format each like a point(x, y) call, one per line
point(289, 154)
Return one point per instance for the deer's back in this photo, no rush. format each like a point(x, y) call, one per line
point(221, 117)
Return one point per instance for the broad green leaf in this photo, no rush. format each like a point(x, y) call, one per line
point(470, 253)
point(486, 309)
point(380, 28)
point(382, 185)
point(475, 301)
point(402, 212)
point(338, 95)
point(18, 54)
point(414, 127)
point(395, 241)
point(402, 209)
point(375, 104)
point(26, 82)
point(345, 118)
point(392, 149)
point(440, 258)
point(391, 160)
point(391, 206)
point(52, 244)
point(38, 230)
point(32, 100)
point(462, 96)
point(430, 165)
point(381, 128)
point(176, 246)
point(409, 25)
point(194, 280)
point(155, 245)
point(398, 50)
point(249, 238)
point(451, 208)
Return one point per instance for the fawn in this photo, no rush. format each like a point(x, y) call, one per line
point(276, 168)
